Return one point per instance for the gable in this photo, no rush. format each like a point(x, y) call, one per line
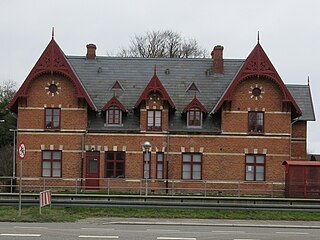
point(155, 86)
point(51, 61)
point(258, 65)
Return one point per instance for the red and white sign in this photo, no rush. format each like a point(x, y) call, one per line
point(45, 198)
point(22, 150)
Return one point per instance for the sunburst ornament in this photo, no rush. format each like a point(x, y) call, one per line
point(53, 88)
point(256, 92)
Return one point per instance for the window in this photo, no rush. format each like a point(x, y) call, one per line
point(160, 163)
point(191, 166)
point(51, 163)
point(154, 120)
point(255, 167)
point(194, 117)
point(114, 115)
point(146, 165)
point(115, 164)
point(52, 118)
point(256, 124)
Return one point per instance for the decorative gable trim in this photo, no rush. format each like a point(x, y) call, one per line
point(154, 86)
point(258, 65)
point(51, 61)
point(114, 102)
point(195, 103)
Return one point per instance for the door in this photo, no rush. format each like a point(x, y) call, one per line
point(92, 170)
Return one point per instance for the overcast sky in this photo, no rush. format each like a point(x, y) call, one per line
point(289, 32)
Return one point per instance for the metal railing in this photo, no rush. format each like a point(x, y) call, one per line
point(112, 186)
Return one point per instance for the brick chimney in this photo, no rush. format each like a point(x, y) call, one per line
point(91, 51)
point(217, 56)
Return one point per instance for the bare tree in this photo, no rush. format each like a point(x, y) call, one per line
point(162, 44)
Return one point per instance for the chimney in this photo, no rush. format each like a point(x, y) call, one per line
point(217, 56)
point(91, 51)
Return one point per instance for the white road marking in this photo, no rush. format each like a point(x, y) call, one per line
point(245, 239)
point(163, 230)
point(175, 238)
point(228, 231)
point(31, 227)
point(20, 235)
point(104, 237)
point(293, 233)
point(106, 229)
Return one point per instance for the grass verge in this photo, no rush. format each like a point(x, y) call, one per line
point(68, 214)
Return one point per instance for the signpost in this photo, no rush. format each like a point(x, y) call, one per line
point(22, 154)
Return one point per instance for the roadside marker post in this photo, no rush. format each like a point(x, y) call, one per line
point(45, 199)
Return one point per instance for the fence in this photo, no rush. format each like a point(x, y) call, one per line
point(172, 187)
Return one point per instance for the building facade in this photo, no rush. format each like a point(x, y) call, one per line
point(206, 119)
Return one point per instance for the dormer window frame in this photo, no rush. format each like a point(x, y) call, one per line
point(152, 123)
point(116, 108)
point(116, 119)
point(191, 109)
point(191, 118)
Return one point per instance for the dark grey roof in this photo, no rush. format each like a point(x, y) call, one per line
point(302, 95)
point(99, 75)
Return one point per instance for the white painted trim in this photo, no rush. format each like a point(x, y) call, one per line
point(228, 135)
point(265, 112)
point(45, 106)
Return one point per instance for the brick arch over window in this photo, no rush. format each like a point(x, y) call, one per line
point(51, 61)
point(258, 65)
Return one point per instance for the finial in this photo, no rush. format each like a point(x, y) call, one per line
point(155, 69)
point(308, 81)
point(52, 32)
point(258, 37)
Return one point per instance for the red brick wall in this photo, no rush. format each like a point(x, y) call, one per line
point(223, 155)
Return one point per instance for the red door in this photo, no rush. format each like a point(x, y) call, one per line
point(92, 170)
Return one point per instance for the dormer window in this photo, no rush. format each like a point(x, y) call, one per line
point(113, 110)
point(194, 117)
point(195, 112)
point(154, 120)
point(114, 116)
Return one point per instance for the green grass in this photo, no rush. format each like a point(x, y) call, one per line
point(68, 214)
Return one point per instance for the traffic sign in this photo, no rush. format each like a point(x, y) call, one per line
point(22, 150)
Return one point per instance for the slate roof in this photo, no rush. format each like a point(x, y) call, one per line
point(99, 76)
point(302, 96)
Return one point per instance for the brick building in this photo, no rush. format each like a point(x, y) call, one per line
point(206, 119)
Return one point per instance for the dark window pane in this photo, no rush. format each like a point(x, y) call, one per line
point(120, 156)
point(110, 156)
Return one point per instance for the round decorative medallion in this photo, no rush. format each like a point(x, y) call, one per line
point(256, 92)
point(52, 88)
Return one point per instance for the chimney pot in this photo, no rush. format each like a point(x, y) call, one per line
point(91, 51)
point(217, 56)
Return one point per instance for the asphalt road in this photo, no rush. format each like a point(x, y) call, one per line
point(160, 229)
